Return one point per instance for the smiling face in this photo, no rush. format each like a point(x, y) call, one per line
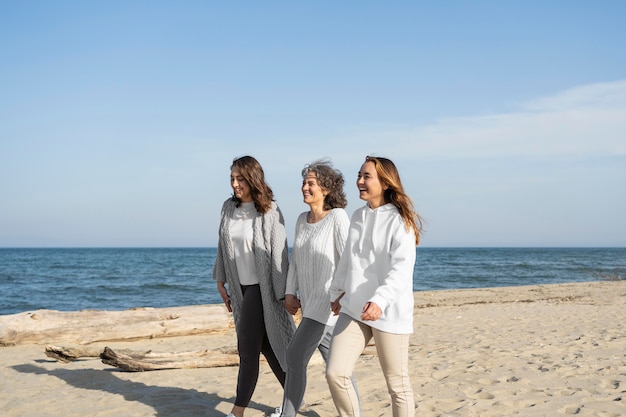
point(313, 194)
point(370, 187)
point(240, 186)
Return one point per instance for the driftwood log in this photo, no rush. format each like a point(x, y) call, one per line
point(140, 361)
point(91, 326)
point(147, 360)
point(83, 328)
point(137, 361)
point(69, 354)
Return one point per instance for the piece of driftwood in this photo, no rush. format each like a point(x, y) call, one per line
point(69, 354)
point(91, 326)
point(147, 360)
point(139, 361)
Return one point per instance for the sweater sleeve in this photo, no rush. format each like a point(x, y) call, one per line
point(402, 262)
point(292, 274)
point(219, 269)
point(342, 225)
point(280, 253)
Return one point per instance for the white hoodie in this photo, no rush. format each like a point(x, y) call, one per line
point(377, 266)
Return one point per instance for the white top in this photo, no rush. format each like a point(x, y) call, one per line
point(241, 234)
point(316, 250)
point(377, 266)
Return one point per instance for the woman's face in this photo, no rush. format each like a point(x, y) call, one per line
point(312, 193)
point(240, 186)
point(370, 187)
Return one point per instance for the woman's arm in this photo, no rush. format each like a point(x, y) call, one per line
point(279, 252)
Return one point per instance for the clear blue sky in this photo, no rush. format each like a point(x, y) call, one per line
point(119, 119)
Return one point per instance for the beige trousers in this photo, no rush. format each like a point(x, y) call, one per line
point(349, 340)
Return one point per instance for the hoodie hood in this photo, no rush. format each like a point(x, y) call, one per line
point(373, 219)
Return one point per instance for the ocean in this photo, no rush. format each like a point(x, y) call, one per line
point(121, 278)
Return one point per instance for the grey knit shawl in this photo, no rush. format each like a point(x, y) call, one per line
point(271, 262)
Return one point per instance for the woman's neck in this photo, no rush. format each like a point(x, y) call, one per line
point(316, 213)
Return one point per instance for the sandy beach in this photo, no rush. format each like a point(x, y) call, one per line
point(544, 350)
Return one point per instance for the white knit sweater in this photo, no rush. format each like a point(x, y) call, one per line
point(316, 250)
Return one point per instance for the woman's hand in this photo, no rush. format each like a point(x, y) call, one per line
point(224, 294)
point(292, 303)
point(371, 312)
point(335, 306)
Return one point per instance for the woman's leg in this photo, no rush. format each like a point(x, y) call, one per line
point(272, 360)
point(302, 346)
point(324, 349)
point(349, 339)
point(324, 346)
point(250, 335)
point(393, 354)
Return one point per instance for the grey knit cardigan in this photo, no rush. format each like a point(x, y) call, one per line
point(272, 263)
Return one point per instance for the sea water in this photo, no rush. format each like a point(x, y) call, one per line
point(75, 279)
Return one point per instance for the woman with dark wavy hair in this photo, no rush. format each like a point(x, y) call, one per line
point(251, 273)
point(320, 238)
point(372, 289)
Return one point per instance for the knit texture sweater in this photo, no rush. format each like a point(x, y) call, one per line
point(271, 262)
point(377, 266)
point(316, 250)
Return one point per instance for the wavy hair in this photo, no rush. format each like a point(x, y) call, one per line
point(251, 170)
point(394, 194)
point(329, 179)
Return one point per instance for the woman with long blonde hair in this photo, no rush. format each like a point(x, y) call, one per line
point(372, 289)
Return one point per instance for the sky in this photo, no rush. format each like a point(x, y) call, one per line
point(119, 120)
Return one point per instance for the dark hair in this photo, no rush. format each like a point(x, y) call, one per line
point(251, 170)
point(394, 194)
point(329, 179)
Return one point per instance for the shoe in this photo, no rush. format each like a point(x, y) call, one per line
point(278, 411)
point(230, 415)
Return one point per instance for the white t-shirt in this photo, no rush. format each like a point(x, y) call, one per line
point(242, 237)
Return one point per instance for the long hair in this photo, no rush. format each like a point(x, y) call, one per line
point(251, 170)
point(394, 194)
point(329, 179)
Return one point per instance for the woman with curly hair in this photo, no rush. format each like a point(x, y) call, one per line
point(372, 290)
point(320, 238)
point(251, 273)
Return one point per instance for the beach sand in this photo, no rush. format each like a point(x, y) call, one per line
point(546, 350)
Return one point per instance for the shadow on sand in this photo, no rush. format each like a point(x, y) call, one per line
point(166, 401)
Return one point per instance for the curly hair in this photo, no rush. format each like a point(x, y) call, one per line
point(329, 179)
point(251, 170)
point(394, 194)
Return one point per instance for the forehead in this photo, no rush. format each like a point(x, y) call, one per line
point(310, 176)
point(368, 168)
point(234, 172)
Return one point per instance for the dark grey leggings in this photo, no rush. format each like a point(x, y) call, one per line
point(309, 335)
point(251, 342)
